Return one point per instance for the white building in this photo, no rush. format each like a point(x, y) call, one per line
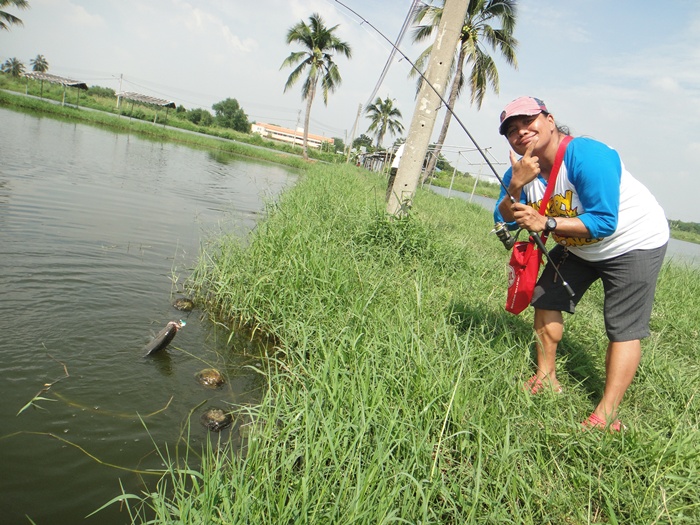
point(270, 131)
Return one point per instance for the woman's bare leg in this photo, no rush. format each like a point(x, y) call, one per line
point(549, 329)
point(621, 363)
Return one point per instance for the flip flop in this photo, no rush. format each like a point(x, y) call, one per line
point(595, 421)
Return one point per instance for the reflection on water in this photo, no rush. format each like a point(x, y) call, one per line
point(98, 231)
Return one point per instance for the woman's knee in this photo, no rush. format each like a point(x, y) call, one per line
point(549, 325)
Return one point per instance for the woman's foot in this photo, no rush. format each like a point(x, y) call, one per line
point(594, 421)
point(535, 385)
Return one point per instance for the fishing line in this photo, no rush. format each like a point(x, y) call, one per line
point(533, 236)
point(402, 32)
point(442, 99)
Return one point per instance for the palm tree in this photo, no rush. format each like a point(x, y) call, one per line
point(39, 64)
point(477, 33)
point(385, 117)
point(13, 67)
point(6, 19)
point(320, 43)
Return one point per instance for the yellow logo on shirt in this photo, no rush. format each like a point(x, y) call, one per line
point(562, 206)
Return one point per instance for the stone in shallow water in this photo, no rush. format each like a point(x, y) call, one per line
point(184, 304)
point(209, 377)
point(215, 419)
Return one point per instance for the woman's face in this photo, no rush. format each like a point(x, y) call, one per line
point(523, 129)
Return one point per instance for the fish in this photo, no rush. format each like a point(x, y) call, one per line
point(163, 338)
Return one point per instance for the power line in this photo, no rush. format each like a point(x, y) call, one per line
point(392, 54)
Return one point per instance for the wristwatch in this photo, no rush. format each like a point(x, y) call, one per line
point(550, 225)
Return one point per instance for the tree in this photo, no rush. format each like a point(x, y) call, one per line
point(100, 91)
point(13, 67)
point(362, 140)
point(320, 43)
point(6, 19)
point(338, 144)
point(477, 34)
point(199, 116)
point(39, 64)
point(385, 117)
point(229, 114)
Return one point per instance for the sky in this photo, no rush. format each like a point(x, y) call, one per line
point(625, 72)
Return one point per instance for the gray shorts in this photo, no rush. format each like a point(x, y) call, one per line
point(629, 282)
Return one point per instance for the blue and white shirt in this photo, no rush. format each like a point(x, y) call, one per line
point(620, 213)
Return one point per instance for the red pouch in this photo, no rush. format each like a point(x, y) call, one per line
point(524, 265)
point(523, 270)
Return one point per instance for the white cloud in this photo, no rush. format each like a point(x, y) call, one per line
point(666, 84)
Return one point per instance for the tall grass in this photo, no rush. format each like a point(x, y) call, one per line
point(395, 394)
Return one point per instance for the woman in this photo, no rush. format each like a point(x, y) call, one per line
point(607, 226)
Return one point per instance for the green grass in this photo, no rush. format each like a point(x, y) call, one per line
point(395, 392)
point(685, 236)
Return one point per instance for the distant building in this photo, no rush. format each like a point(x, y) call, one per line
point(270, 131)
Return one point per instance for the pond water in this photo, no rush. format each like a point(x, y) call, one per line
point(98, 232)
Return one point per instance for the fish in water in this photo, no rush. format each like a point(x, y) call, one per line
point(164, 337)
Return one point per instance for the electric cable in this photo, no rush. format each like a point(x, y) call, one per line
point(392, 53)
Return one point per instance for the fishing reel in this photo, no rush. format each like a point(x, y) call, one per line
point(503, 233)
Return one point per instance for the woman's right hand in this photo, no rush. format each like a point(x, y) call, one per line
point(526, 168)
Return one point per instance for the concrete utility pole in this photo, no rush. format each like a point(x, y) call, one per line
point(352, 135)
point(427, 106)
point(119, 96)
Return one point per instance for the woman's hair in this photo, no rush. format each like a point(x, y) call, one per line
point(561, 128)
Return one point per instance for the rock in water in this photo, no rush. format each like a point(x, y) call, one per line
point(184, 304)
point(209, 377)
point(216, 419)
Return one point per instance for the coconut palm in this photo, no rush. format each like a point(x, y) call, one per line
point(39, 64)
point(320, 43)
point(477, 35)
point(13, 67)
point(6, 19)
point(385, 118)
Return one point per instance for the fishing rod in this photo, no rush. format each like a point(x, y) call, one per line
point(534, 237)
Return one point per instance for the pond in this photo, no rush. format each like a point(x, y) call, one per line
point(98, 232)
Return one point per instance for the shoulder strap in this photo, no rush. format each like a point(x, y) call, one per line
point(555, 171)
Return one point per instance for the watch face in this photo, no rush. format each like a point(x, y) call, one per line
point(551, 224)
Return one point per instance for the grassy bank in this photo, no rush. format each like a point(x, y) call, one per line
point(396, 396)
point(685, 236)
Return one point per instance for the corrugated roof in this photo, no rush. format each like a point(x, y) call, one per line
point(55, 79)
point(145, 99)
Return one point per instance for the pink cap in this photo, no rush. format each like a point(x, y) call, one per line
point(521, 106)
